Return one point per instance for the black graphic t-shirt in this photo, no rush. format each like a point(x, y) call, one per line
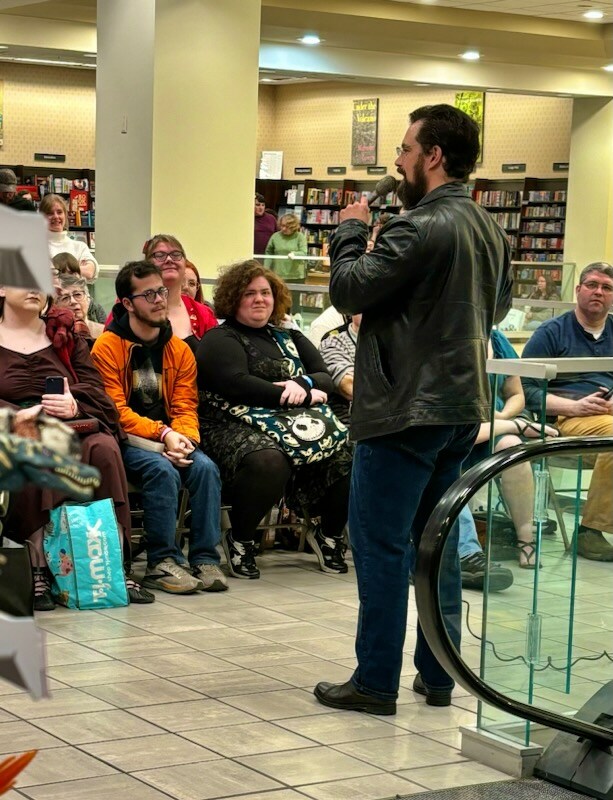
point(146, 397)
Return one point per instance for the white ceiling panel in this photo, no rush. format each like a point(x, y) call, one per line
point(551, 9)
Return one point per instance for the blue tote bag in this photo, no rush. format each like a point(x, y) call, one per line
point(83, 551)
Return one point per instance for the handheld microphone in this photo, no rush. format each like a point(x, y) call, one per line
point(383, 188)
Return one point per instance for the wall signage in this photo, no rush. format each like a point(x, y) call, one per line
point(376, 170)
point(337, 170)
point(364, 131)
point(560, 166)
point(49, 157)
point(513, 167)
point(303, 170)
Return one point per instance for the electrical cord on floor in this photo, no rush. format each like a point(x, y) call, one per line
point(509, 659)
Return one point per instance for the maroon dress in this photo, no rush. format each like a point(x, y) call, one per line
point(22, 380)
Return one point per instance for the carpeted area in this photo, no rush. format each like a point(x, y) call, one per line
point(531, 789)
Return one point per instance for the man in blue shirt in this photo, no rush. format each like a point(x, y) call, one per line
point(578, 399)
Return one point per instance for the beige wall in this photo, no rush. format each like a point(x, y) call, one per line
point(48, 110)
point(311, 123)
point(266, 121)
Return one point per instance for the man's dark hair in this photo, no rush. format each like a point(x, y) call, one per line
point(133, 269)
point(601, 267)
point(259, 198)
point(454, 132)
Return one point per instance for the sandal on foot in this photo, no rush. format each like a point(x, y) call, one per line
point(532, 430)
point(527, 551)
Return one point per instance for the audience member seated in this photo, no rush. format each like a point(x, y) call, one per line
point(191, 283)
point(55, 209)
point(73, 294)
point(545, 289)
point(250, 361)
point(151, 375)
point(509, 430)
point(264, 225)
point(65, 264)
point(337, 349)
point(31, 349)
point(579, 400)
point(189, 319)
point(328, 320)
point(288, 240)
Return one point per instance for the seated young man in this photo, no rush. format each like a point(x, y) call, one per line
point(151, 376)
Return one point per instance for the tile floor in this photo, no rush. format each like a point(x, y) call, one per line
point(210, 696)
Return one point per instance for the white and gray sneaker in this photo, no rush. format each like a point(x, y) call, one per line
point(211, 577)
point(171, 577)
point(240, 557)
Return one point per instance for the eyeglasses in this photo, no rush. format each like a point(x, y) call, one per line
point(151, 294)
point(65, 299)
point(591, 286)
point(160, 257)
point(400, 151)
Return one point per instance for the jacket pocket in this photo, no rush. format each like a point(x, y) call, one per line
point(381, 363)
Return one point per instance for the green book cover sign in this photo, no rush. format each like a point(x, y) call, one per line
point(365, 117)
point(473, 104)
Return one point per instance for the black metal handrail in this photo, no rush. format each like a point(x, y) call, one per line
point(427, 570)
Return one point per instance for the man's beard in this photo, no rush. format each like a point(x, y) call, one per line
point(409, 193)
point(147, 321)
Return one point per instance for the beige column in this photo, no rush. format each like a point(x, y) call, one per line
point(205, 98)
point(589, 213)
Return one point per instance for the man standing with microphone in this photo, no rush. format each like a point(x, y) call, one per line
point(430, 291)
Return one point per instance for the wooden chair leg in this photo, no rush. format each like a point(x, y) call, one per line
point(559, 514)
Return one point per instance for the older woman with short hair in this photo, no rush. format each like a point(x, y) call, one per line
point(73, 294)
point(288, 240)
point(252, 367)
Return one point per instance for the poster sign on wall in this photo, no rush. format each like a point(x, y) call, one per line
point(473, 104)
point(1, 113)
point(364, 131)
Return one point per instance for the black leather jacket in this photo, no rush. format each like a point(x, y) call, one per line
point(430, 291)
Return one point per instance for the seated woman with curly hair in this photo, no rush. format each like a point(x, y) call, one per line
point(251, 362)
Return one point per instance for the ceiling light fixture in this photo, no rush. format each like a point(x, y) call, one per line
point(50, 62)
point(310, 39)
point(470, 55)
point(90, 55)
point(422, 84)
point(593, 14)
point(608, 68)
point(4, 47)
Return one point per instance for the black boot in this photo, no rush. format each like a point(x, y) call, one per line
point(330, 551)
point(43, 599)
point(240, 557)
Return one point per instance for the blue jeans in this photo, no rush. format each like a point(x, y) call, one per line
point(468, 543)
point(160, 482)
point(395, 485)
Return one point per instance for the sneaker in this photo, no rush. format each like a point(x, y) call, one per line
point(329, 551)
point(136, 593)
point(240, 557)
point(593, 545)
point(171, 577)
point(473, 569)
point(211, 577)
point(43, 599)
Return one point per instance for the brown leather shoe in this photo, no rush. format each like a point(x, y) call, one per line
point(592, 544)
point(347, 697)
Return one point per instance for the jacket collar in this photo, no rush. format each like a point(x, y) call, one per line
point(451, 189)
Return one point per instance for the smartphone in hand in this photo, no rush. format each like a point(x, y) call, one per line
point(54, 384)
point(607, 395)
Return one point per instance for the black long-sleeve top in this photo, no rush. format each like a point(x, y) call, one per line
point(224, 364)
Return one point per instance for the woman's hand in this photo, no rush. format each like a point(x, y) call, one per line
point(317, 396)
point(63, 406)
point(293, 393)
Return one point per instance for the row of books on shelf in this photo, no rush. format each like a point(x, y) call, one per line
point(547, 197)
point(535, 212)
point(542, 227)
point(321, 216)
point(531, 274)
point(542, 242)
point(497, 199)
point(508, 219)
point(331, 197)
point(550, 256)
point(87, 237)
point(62, 185)
point(81, 219)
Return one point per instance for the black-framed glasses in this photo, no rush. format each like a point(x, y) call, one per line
point(160, 256)
point(151, 294)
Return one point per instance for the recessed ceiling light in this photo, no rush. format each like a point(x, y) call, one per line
point(422, 84)
point(310, 38)
point(48, 61)
point(4, 47)
point(593, 14)
point(608, 68)
point(470, 55)
point(267, 80)
point(90, 55)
